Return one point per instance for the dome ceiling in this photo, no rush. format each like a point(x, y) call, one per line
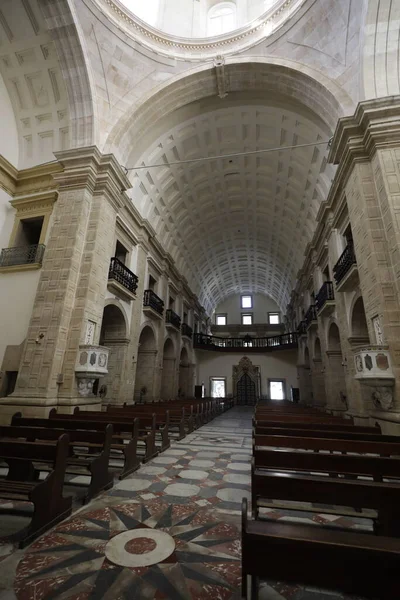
point(236, 225)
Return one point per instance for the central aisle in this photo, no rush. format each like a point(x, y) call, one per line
point(171, 530)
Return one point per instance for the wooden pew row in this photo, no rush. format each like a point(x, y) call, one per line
point(153, 423)
point(329, 444)
point(49, 505)
point(259, 424)
point(124, 440)
point(350, 562)
point(361, 465)
point(88, 450)
point(332, 434)
point(177, 416)
point(122, 429)
point(384, 498)
point(301, 419)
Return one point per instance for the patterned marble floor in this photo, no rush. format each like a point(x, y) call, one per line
point(170, 531)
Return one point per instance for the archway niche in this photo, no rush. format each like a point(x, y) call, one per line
point(185, 375)
point(113, 335)
point(146, 366)
point(359, 327)
point(168, 373)
point(335, 373)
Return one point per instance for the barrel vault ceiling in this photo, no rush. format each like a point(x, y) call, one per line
point(236, 225)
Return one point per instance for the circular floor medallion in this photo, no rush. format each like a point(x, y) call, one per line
point(132, 548)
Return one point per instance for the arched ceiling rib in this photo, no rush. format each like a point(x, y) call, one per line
point(236, 225)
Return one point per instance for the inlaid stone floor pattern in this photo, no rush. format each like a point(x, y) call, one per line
point(171, 530)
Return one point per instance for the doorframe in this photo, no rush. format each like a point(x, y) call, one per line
point(283, 380)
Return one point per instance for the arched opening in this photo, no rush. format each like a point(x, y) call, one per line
point(113, 335)
point(146, 365)
point(221, 18)
point(185, 375)
point(335, 375)
point(359, 327)
point(168, 373)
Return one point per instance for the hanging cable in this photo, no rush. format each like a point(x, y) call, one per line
point(236, 154)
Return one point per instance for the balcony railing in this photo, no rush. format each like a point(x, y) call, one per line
point(186, 330)
point(346, 261)
point(310, 316)
point(124, 276)
point(151, 299)
point(302, 328)
point(22, 255)
point(172, 318)
point(324, 295)
point(250, 344)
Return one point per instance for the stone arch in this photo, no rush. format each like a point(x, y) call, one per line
point(358, 322)
point(169, 370)
point(146, 365)
point(301, 83)
point(334, 337)
point(114, 335)
point(335, 374)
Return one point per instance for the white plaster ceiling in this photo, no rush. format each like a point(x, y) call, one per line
point(240, 226)
point(31, 72)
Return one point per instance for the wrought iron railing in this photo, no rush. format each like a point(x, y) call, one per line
point(124, 276)
point(212, 342)
point(22, 255)
point(346, 261)
point(186, 330)
point(310, 316)
point(172, 318)
point(324, 295)
point(151, 299)
point(302, 328)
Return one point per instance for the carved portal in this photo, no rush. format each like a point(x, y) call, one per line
point(245, 370)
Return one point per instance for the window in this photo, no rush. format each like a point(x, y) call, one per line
point(152, 283)
point(221, 18)
point(121, 252)
point(247, 319)
point(220, 319)
point(276, 388)
point(29, 231)
point(147, 11)
point(11, 380)
point(247, 302)
point(274, 318)
point(218, 387)
point(171, 303)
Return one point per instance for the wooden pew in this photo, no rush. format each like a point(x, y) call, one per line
point(125, 435)
point(176, 416)
point(259, 424)
point(376, 467)
point(97, 444)
point(50, 507)
point(384, 498)
point(333, 434)
point(122, 428)
point(350, 562)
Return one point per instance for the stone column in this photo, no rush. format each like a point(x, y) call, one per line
point(73, 281)
point(335, 383)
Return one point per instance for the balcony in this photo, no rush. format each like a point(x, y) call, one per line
point(153, 306)
point(186, 330)
point(246, 344)
point(172, 319)
point(310, 318)
point(345, 271)
point(302, 328)
point(20, 258)
point(325, 300)
point(121, 281)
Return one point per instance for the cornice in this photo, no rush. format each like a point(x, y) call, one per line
point(27, 181)
point(8, 176)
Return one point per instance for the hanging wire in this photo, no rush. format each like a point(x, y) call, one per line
point(235, 155)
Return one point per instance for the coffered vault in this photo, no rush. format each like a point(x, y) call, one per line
point(235, 225)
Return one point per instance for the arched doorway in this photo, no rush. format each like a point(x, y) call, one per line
point(336, 389)
point(246, 382)
point(246, 391)
point(185, 375)
point(359, 327)
point(168, 373)
point(145, 368)
point(113, 335)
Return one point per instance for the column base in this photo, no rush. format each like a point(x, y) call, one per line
point(40, 407)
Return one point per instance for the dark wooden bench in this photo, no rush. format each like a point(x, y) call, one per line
point(122, 428)
point(349, 562)
point(260, 423)
point(176, 416)
point(49, 505)
point(125, 436)
point(332, 434)
point(361, 465)
point(89, 450)
point(384, 498)
point(145, 416)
